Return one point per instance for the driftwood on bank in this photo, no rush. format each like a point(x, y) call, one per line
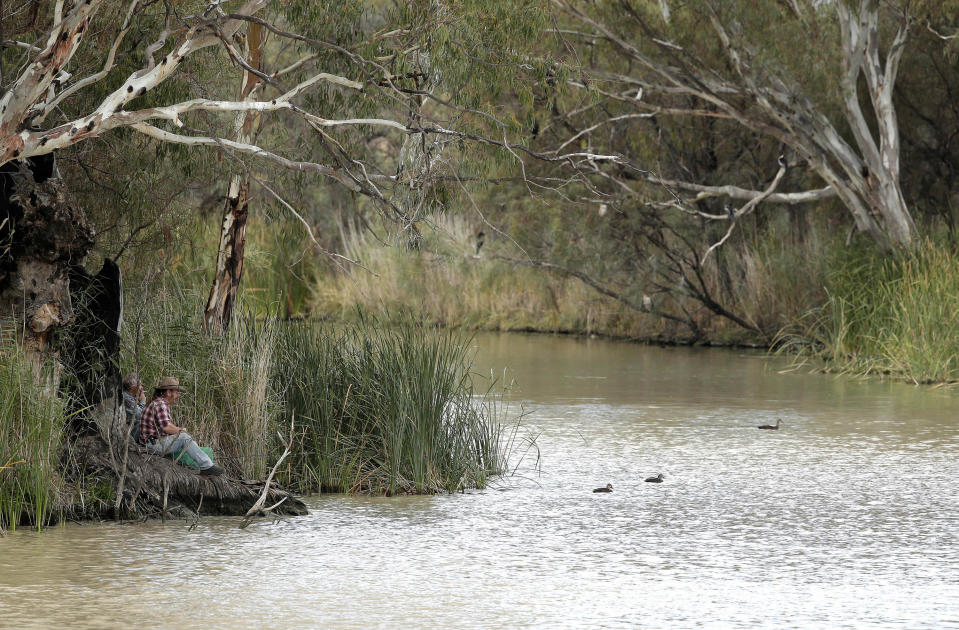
point(159, 487)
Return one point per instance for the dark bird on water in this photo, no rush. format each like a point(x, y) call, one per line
point(657, 479)
point(608, 488)
point(772, 427)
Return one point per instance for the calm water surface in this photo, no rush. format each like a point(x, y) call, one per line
point(848, 517)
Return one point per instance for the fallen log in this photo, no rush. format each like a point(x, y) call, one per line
point(159, 487)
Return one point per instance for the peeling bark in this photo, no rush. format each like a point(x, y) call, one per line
point(229, 259)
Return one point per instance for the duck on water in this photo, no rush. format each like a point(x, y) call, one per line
point(607, 488)
point(657, 479)
point(771, 427)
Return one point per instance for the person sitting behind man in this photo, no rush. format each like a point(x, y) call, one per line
point(134, 401)
point(161, 436)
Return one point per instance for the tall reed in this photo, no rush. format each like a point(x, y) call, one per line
point(386, 410)
point(895, 314)
point(31, 441)
point(230, 403)
point(377, 409)
point(765, 279)
point(446, 284)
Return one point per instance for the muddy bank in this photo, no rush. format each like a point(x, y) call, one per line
point(153, 487)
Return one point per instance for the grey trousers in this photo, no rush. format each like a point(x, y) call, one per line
point(172, 443)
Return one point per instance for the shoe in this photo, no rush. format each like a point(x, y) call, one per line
point(212, 471)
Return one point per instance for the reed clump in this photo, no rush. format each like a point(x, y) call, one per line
point(386, 410)
point(230, 404)
point(447, 283)
point(32, 420)
point(762, 277)
point(888, 314)
point(379, 409)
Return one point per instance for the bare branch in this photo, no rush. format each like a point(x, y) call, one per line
point(587, 280)
point(257, 509)
point(592, 128)
point(749, 207)
point(336, 258)
point(940, 35)
point(295, 65)
point(251, 149)
point(11, 43)
point(63, 42)
point(93, 78)
point(743, 194)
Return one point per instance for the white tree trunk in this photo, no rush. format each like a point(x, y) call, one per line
point(864, 175)
point(877, 184)
point(232, 244)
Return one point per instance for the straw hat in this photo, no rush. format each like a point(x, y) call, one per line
point(170, 382)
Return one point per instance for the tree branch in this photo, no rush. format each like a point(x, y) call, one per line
point(749, 207)
point(744, 194)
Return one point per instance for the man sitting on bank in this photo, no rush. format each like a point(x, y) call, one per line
point(161, 436)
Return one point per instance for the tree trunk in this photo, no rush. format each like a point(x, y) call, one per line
point(229, 259)
point(876, 176)
point(157, 486)
point(42, 235)
point(863, 172)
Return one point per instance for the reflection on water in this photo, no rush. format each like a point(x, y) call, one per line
point(846, 517)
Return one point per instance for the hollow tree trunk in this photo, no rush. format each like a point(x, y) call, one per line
point(42, 235)
point(229, 259)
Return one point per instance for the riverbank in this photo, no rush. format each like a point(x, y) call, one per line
point(447, 284)
point(855, 309)
point(375, 409)
point(788, 284)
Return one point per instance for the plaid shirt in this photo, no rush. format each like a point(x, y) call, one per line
point(154, 418)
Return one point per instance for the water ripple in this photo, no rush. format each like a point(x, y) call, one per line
point(845, 518)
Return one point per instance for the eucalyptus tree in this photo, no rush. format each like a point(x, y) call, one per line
point(814, 78)
point(293, 86)
point(253, 88)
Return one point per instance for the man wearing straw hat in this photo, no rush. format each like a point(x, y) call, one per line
point(161, 436)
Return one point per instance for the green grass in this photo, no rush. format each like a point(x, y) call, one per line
point(387, 410)
point(446, 284)
point(31, 441)
point(765, 278)
point(230, 403)
point(376, 408)
point(888, 315)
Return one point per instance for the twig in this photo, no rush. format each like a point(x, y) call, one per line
point(258, 509)
point(196, 516)
point(750, 205)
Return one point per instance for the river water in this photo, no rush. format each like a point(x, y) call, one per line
point(847, 517)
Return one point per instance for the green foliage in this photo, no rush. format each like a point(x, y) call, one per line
point(31, 439)
point(386, 410)
point(891, 315)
